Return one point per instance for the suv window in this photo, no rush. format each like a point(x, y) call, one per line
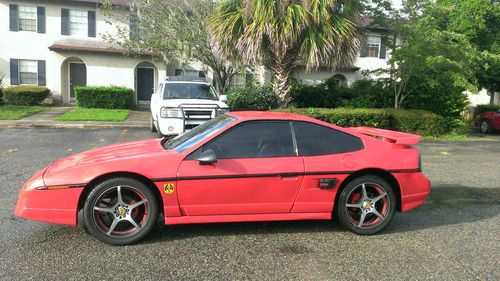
point(314, 139)
point(253, 140)
point(189, 91)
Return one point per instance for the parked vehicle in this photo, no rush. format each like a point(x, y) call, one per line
point(488, 121)
point(182, 103)
point(241, 166)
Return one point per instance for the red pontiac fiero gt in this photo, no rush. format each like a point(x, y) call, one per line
point(242, 166)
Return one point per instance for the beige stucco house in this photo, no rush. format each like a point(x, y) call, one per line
point(59, 44)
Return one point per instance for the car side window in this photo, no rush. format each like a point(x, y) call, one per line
point(314, 140)
point(254, 140)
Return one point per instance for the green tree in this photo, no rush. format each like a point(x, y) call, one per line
point(429, 59)
point(285, 34)
point(175, 31)
point(479, 22)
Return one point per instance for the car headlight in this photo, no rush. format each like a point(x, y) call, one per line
point(166, 112)
point(222, 111)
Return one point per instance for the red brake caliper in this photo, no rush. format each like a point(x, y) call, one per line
point(355, 198)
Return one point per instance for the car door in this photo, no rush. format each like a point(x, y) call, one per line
point(329, 157)
point(257, 172)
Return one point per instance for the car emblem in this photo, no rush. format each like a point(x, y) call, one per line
point(168, 188)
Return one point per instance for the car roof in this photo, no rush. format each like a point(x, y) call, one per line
point(269, 115)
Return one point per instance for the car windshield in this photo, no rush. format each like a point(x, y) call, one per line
point(189, 91)
point(199, 133)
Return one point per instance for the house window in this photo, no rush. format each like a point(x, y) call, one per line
point(28, 72)
point(179, 72)
point(27, 18)
point(78, 22)
point(373, 46)
point(239, 80)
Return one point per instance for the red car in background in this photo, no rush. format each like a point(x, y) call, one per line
point(488, 121)
point(238, 167)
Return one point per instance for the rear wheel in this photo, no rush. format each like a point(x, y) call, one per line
point(485, 126)
point(120, 211)
point(366, 205)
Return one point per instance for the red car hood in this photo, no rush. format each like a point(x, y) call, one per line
point(108, 153)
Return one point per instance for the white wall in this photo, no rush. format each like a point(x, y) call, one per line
point(102, 69)
point(482, 97)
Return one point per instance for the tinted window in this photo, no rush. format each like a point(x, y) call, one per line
point(189, 91)
point(314, 139)
point(254, 140)
point(199, 133)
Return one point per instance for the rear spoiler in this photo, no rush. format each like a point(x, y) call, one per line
point(388, 135)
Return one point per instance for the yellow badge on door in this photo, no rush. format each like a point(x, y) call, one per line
point(168, 188)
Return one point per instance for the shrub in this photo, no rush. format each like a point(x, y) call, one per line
point(347, 117)
point(368, 94)
point(252, 98)
point(312, 96)
point(482, 108)
point(111, 97)
point(329, 94)
point(412, 121)
point(420, 122)
point(445, 101)
point(25, 95)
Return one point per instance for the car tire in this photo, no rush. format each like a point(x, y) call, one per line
point(152, 124)
point(120, 211)
point(485, 126)
point(369, 211)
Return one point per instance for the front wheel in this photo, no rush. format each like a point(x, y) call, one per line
point(120, 211)
point(366, 205)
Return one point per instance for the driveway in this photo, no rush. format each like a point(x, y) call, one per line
point(453, 236)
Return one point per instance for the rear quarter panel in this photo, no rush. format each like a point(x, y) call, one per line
point(377, 154)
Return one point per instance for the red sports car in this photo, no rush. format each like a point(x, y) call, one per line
point(239, 167)
point(488, 121)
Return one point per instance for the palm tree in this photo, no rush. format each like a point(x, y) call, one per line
point(285, 34)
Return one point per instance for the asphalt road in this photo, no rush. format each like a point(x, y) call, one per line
point(454, 236)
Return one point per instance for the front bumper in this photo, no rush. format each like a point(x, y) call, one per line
point(192, 115)
point(415, 187)
point(54, 206)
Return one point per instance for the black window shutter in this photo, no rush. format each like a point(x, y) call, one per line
point(41, 73)
point(91, 25)
point(14, 17)
point(64, 22)
point(14, 71)
point(40, 18)
point(364, 50)
point(383, 49)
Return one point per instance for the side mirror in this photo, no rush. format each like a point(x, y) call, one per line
point(207, 157)
point(223, 98)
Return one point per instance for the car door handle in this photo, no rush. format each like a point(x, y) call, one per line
point(289, 175)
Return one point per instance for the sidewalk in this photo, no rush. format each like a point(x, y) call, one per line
point(46, 119)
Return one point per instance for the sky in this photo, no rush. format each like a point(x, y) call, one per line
point(396, 4)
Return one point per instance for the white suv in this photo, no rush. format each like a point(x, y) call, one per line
point(182, 103)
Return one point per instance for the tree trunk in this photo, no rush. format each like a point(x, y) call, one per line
point(281, 85)
point(492, 96)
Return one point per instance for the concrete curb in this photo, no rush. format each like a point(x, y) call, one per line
point(74, 125)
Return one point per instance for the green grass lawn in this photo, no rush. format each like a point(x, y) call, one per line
point(15, 112)
point(95, 114)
